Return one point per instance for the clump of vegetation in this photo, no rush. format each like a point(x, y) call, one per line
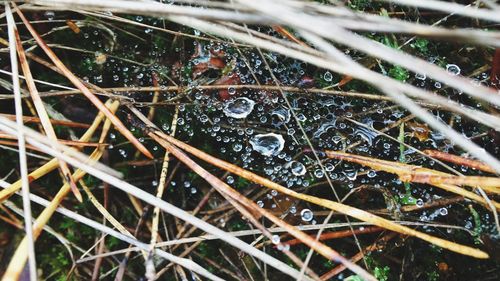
point(249, 140)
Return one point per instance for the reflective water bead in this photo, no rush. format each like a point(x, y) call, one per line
point(453, 69)
point(237, 147)
point(306, 215)
point(239, 108)
point(297, 168)
point(371, 173)
point(328, 76)
point(420, 76)
point(268, 144)
point(276, 239)
point(420, 203)
point(319, 173)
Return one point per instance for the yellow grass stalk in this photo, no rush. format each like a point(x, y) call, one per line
point(412, 173)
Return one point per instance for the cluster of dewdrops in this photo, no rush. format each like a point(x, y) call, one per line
point(261, 131)
point(258, 131)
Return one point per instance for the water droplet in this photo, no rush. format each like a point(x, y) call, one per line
point(123, 153)
point(276, 239)
point(260, 203)
point(282, 114)
point(297, 168)
point(237, 147)
point(239, 108)
point(49, 15)
point(328, 76)
point(268, 144)
point(318, 173)
point(371, 173)
point(420, 76)
point(443, 211)
point(351, 174)
point(306, 215)
point(329, 167)
point(420, 203)
point(453, 69)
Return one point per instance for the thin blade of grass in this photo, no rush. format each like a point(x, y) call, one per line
point(338, 234)
point(66, 142)
point(31, 119)
point(455, 159)
point(30, 247)
point(42, 113)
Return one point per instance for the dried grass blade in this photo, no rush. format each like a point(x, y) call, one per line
point(29, 119)
point(338, 234)
point(42, 113)
point(66, 142)
point(455, 159)
point(23, 163)
point(413, 173)
point(283, 31)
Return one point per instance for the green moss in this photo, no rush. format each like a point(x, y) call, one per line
point(56, 261)
point(478, 230)
point(399, 73)
point(421, 45)
point(381, 273)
